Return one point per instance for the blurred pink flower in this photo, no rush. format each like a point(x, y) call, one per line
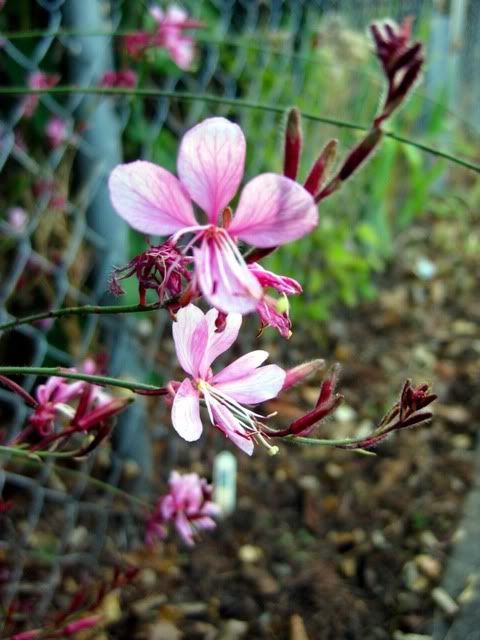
point(272, 209)
point(52, 400)
point(38, 80)
point(188, 505)
point(170, 34)
point(17, 218)
point(198, 344)
point(126, 78)
point(56, 131)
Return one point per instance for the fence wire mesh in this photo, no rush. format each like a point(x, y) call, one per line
point(64, 252)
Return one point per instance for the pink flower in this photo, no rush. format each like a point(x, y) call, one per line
point(56, 131)
point(171, 34)
point(126, 78)
point(52, 400)
point(243, 382)
point(272, 312)
point(272, 209)
point(82, 405)
point(188, 504)
point(38, 80)
point(17, 218)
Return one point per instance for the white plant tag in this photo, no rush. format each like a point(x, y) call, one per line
point(225, 482)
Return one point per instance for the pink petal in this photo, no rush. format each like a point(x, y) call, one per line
point(283, 284)
point(226, 283)
point(190, 334)
point(230, 426)
point(243, 366)
point(185, 529)
point(157, 14)
point(257, 386)
point(150, 199)
point(218, 343)
point(211, 163)
point(273, 210)
point(186, 412)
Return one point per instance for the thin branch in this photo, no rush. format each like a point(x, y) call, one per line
point(80, 311)
point(236, 102)
point(74, 375)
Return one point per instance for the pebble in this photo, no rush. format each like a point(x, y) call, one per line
point(145, 605)
point(428, 539)
point(193, 609)
point(233, 630)
point(333, 470)
point(205, 630)
point(461, 441)
point(78, 538)
point(445, 601)
point(250, 554)
point(429, 566)
point(348, 566)
point(309, 483)
point(163, 630)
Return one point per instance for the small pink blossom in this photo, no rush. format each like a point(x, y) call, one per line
point(56, 131)
point(126, 78)
point(198, 344)
point(38, 80)
point(17, 218)
point(169, 34)
point(53, 399)
point(275, 313)
point(272, 210)
point(188, 505)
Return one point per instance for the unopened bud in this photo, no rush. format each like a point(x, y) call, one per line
point(321, 167)
point(359, 154)
point(293, 144)
point(301, 372)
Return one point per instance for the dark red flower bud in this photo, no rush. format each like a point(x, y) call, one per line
point(320, 168)
point(293, 143)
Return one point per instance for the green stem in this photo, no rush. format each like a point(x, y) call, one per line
point(80, 311)
point(29, 459)
point(236, 102)
point(323, 442)
point(73, 375)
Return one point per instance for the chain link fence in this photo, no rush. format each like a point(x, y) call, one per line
point(63, 254)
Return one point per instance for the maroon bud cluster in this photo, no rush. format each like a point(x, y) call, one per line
point(162, 268)
point(402, 62)
point(89, 418)
point(407, 412)
point(326, 403)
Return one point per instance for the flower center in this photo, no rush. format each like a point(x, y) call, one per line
point(246, 417)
